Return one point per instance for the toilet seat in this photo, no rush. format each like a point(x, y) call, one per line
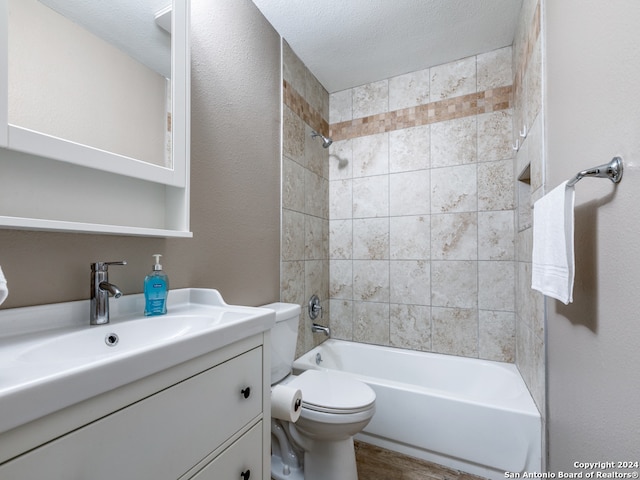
point(329, 392)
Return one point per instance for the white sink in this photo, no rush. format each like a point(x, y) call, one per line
point(115, 339)
point(51, 358)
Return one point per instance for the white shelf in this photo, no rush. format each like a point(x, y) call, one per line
point(20, 223)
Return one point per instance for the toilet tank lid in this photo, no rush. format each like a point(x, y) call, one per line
point(284, 311)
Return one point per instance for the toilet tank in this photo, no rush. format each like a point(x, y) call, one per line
point(283, 339)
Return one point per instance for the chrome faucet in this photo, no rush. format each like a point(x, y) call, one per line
point(315, 309)
point(316, 328)
point(100, 290)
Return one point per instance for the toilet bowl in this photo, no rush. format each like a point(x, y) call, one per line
point(319, 446)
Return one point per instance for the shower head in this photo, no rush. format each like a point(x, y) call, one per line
point(326, 141)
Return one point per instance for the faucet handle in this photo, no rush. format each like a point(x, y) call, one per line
point(103, 266)
point(314, 307)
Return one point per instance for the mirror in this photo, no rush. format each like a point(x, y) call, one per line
point(99, 84)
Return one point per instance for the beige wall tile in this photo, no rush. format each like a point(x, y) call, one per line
point(341, 239)
point(494, 136)
point(292, 235)
point(293, 141)
point(454, 142)
point(454, 236)
point(314, 238)
point(316, 195)
point(496, 185)
point(410, 282)
point(370, 155)
point(315, 155)
point(371, 239)
point(371, 280)
point(409, 193)
point(292, 282)
point(370, 99)
point(410, 237)
point(371, 322)
point(455, 331)
point(410, 149)
point(340, 199)
point(453, 79)
point(496, 235)
point(292, 185)
point(371, 197)
point(341, 319)
point(316, 94)
point(410, 326)
point(341, 279)
point(454, 189)
point(454, 283)
point(494, 69)
point(409, 90)
point(497, 336)
point(496, 286)
point(341, 106)
point(293, 70)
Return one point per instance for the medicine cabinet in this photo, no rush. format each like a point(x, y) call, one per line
point(94, 116)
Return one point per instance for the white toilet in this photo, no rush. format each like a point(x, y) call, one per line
point(319, 446)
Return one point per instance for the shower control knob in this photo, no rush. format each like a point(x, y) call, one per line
point(246, 475)
point(315, 308)
point(246, 392)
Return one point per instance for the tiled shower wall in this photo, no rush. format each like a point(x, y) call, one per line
point(422, 210)
point(428, 245)
point(528, 132)
point(305, 195)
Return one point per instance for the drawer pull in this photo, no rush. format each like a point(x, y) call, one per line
point(245, 393)
point(246, 475)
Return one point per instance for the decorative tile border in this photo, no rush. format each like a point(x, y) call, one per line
point(303, 109)
point(463, 106)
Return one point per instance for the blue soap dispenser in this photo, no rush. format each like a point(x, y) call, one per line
point(156, 289)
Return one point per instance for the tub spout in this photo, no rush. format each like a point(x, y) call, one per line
point(316, 328)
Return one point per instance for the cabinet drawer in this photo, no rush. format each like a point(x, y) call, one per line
point(160, 437)
point(242, 460)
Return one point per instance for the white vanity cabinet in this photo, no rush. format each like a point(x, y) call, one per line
point(202, 424)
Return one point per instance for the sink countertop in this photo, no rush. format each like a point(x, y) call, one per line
point(51, 358)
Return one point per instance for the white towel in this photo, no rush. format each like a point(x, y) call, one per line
point(553, 269)
point(4, 291)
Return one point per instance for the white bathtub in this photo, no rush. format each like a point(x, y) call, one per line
point(472, 415)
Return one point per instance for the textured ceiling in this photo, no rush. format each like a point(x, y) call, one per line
point(346, 43)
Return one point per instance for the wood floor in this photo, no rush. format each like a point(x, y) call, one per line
point(375, 463)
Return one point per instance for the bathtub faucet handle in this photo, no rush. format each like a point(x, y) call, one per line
point(314, 307)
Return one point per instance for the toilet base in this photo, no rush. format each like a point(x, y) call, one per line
point(331, 460)
point(280, 471)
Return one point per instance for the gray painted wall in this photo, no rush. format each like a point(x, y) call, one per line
point(593, 114)
point(235, 183)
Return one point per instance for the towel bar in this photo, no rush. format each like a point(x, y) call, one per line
point(611, 170)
